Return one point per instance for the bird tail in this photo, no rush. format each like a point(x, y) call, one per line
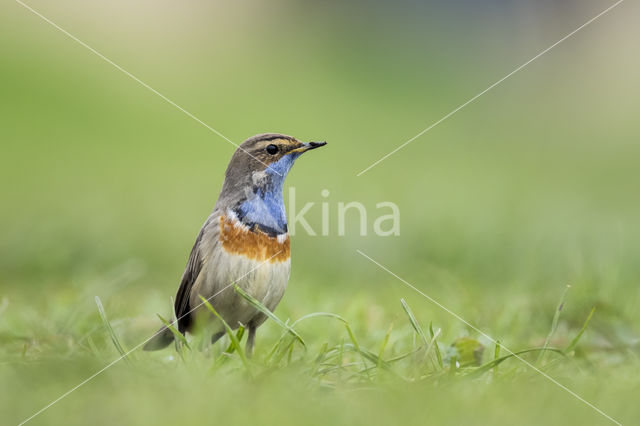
point(160, 340)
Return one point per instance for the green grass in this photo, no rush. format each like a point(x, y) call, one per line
point(346, 357)
point(528, 190)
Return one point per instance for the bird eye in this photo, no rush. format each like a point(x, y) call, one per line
point(272, 149)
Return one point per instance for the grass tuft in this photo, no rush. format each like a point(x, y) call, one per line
point(234, 339)
point(574, 342)
point(111, 331)
point(259, 306)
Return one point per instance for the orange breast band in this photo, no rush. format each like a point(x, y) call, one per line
point(252, 243)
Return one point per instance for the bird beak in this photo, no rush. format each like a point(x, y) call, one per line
point(307, 146)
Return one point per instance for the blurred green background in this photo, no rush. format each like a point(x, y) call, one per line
point(532, 187)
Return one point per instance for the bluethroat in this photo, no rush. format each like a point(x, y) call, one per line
point(244, 241)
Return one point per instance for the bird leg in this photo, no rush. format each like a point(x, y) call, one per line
point(216, 336)
point(250, 341)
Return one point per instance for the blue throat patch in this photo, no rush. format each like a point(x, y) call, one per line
point(266, 208)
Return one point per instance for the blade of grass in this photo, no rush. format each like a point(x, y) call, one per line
point(179, 337)
point(436, 348)
point(317, 362)
point(92, 346)
point(496, 355)
point(382, 348)
point(239, 335)
point(491, 364)
point(110, 330)
point(286, 339)
point(373, 358)
point(282, 348)
point(453, 364)
point(354, 341)
point(575, 340)
point(290, 354)
point(352, 337)
point(414, 322)
point(554, 323)
point(224, 356)
point(229, 331)
point(318, 314)
point(273, 350)
point(259, 306)
point(323, 351)
point(405, 355)
point(433, 344)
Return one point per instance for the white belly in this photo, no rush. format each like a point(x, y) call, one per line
point(264, 280)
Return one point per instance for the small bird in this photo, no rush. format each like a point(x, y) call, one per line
point(245, 241)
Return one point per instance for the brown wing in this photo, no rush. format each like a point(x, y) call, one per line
point(194, 266)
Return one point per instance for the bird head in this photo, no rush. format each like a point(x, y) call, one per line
point(262, 162)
